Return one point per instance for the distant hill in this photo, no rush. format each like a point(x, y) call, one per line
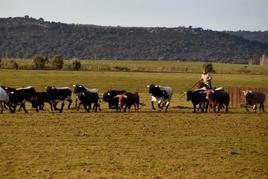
point(24, 37)
point(260, 36)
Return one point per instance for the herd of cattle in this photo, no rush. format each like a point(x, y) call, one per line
point(204, 100)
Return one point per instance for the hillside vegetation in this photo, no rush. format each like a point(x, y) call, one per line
point(26, 37)
point(260, 36)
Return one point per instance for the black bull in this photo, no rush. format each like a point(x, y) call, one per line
point(59, 95)
point(87, 97)
point(198, 98)
point(20, 96)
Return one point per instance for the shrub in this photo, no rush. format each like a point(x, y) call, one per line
point(39, 62)
point(121, 68)
point(56, 62)
point(9, 64)
point(244, 70)
point(76, 65)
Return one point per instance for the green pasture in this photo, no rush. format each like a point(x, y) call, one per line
point(143, 144)
point(132, 81)
point(154, 66)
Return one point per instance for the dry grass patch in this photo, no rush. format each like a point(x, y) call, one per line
point(145, 144)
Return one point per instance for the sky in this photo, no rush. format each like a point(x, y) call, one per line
point(208, 14)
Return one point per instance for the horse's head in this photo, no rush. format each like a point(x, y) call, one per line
point(200, 84)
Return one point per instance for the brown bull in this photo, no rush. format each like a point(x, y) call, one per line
point(218, 99)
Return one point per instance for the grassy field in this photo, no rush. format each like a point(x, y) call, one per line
point(135, 145)
point(154, 66)
point(142, 144)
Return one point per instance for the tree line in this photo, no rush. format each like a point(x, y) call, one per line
point(40, 62)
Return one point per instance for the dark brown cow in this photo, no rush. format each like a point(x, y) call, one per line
point(218, 99)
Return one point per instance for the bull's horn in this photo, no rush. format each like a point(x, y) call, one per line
point(117, 96)
point(148, 86)
point(12, 92)
point(124, 96)
point(80, 86)
point(74, 85)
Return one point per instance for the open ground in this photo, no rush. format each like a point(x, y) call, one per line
point(132, 144)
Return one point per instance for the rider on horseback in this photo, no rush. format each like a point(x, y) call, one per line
point(206, 79)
